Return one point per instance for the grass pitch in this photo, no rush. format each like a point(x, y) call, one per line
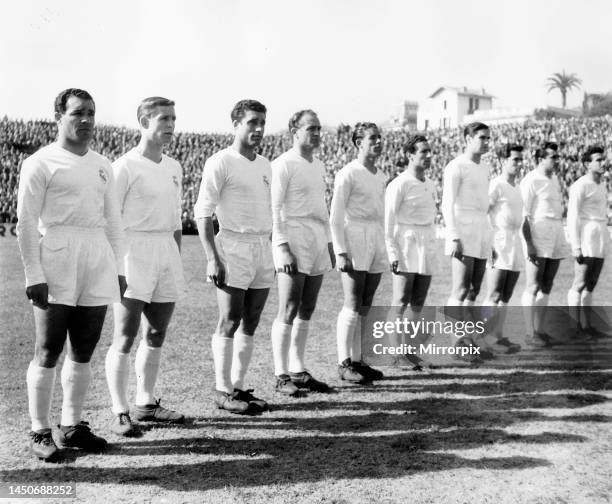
point(539, 432)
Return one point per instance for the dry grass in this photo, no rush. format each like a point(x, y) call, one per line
point(528, 429)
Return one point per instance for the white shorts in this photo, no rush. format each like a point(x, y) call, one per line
point(247, 258)
point(594, 238)
point(418, 250)
point(365, 243)
point(548, 236)
point(509, 249)
point(475, 233)
point(308, 242)
point(153, 268)
point(79, 266)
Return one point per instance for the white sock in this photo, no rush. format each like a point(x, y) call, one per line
point(528, 302)
point(222, 349)
point(117, 367)
point(147, 368)
point(541, 304)
point(345, 328)
point(573, 305)
point(281, 338)
point(356, 343)
point(40, 381)
point(586, 298)
point(75, 378)
point(243, 351)
point(297, 349)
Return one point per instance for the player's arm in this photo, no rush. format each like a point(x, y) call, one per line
point(30, 197)
point(178, 233)
point(528, 195)
point(494, 196)
point(393, 201)
point(576, 198)
point(342, 191)
point(450, 190)
point(280, 182)
point(213, 179)
point(114, 227)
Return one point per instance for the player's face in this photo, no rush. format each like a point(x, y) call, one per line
point(479, 143)
point(160, 124)
point(371, 143)
point(309, 132)
point(250, 129)
point(551, 161)
point(76, 124)
point(422, 157)
point(514, 163)
point(597, 164)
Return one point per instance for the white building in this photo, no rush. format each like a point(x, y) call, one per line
point(447, 107)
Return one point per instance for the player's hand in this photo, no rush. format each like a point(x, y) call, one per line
point(532, 254)
point(344, 263)
point(38, 295)
point(122, 285)
point(577, 253)
point(288, 262)
point(457, 249)
point(332, 256)
point(215, 272)
point(394, 267)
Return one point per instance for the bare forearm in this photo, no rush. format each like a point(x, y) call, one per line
point(207, 237)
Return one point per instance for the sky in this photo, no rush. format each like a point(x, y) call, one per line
point(350, 60)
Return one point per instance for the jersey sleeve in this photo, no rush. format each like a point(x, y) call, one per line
point(213, 179)
point(122, 181)
point(280, 182)
point(342, 192)
point(528, 195)
point(114, 226)
point(30, 197)
point(393, 201)
point(179, 202)
point(450, 190)
point(576, 197)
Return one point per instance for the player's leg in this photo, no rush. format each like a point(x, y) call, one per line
point(594, 267)
point(84, 329)
point(156, 318)
point(299, 335)
point(126, 316)
point(551, 266)
point(51, 326)
point(533, 275)
point(402, 287)
point(290, 289)
point(574, 294)
point(353, 285)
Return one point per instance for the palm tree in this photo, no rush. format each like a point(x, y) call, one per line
point(564, 83)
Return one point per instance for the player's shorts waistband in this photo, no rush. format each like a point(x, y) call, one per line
point(415, 226)
point(262, 237)
point(155, 235)
point(75, 231)
point(546, 219)
point(363, 222)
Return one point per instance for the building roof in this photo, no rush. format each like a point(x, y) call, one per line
point(480, 93)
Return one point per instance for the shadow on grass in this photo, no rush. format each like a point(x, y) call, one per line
point(258, 462)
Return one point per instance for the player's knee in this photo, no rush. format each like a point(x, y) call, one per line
point(227, 326)
point(546, 286)
point(123, 343)
point(155, 337)
point(250, 323)
point(496, 296)
point(47, 356)
point(590, 285)
point(579, 285)
point(461, 293)
point(288, 312)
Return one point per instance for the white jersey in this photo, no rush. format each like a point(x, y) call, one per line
point(506, 204)
point(541, 196)
point(465, 190)
point(408, 202)
point(588, 201)
point(358, 197)
point(59, 188)
point(298, 192)
point(149, 193)
point(238, 191)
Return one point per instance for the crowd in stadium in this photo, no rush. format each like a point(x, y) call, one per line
point(19, 139)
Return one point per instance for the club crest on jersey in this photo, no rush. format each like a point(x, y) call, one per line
point(266, 181)
point(102, 174)
point(175, 180)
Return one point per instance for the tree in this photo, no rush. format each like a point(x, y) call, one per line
point(564, 83)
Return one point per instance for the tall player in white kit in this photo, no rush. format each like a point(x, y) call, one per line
point(410, 210)
point(357, 225)
point(465, 203)
point(544, 239)
point(149, 194)
point(67, 195)
point(506, 215)
point(236, 186)
point(302, 250)
point(588, 234)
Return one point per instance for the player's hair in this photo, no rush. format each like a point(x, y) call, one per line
point(593, 149)
point(60, 101)
point(148, 105)
point(294, 120)
point(360, 129)
point(411, 145)
point(541, 153)
point(506, 150)
point(472, 128)
point(242, 106)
